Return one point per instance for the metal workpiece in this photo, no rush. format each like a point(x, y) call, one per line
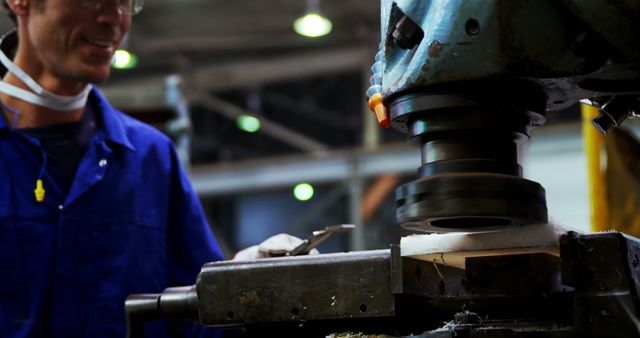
point(375, 292)
point(519, 274)
point(590, 290)
point(379, 292)
point(300, 288)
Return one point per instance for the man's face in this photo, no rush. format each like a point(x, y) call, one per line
point(73, 42)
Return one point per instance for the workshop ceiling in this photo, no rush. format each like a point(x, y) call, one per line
point(176, 36)
point(235, 49)
point(242, 28)
point(170, 35)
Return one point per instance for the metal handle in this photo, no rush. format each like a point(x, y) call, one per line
point(318, 237)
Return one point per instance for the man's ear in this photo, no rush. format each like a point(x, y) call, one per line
point(19, 7)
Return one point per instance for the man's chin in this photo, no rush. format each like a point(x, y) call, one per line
point(96, 76)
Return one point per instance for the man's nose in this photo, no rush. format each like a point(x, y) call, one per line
point(110, 12)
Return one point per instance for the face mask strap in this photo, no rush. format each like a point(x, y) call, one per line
point(40, 96)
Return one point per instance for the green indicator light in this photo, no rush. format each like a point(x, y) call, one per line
point(122, 59)
point(303, 191)
point(248, 123)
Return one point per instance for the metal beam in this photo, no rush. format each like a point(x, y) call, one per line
point(237, 43)
point(256, 175)
point(335, 166)
point(268, 127)
point(357, 240)
point(148, 92)
point(306, 108)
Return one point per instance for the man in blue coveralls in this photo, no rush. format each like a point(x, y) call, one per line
point(93, 204)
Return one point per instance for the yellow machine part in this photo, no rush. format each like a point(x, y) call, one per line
point(593, 152)
point(614, 190)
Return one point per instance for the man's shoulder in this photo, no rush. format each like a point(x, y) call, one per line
point(124, 128)
point(133, 126)
point(138, 133)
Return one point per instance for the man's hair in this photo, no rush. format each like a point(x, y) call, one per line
point(7, 9)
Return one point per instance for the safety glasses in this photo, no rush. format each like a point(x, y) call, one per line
point(131, 7)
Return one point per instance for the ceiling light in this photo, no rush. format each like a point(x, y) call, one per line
point(303, 191)
point(312, 24)
point(122, 59)
point(248, 123)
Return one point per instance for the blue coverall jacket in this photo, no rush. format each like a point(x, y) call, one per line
point(131, 223)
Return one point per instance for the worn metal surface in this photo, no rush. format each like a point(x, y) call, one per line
point(468, 40)
point(306, 297)
point(425, 295)
point(603, 268)
point(345, 285)
point(431, 279)
point(563, 45)
point(484, 105)
point(179, 303)
point(380, 292)
point(469, 135)
point(522, 274)
point(469, 202)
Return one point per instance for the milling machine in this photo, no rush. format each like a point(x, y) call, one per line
point(466, 81)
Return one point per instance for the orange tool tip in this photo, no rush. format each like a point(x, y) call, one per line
point(382, 114)
point(384, 123)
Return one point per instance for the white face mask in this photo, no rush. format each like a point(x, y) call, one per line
point(39, 96)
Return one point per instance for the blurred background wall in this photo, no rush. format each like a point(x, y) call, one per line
point(256, 109)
